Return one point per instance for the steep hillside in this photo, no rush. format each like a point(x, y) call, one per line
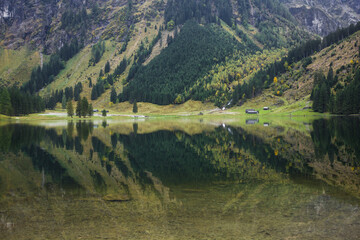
point(16, 65)
point(163, 52)
point(324, 16)
point(49, 24)
point(269, 25)
point(292, 90)
point(186, 59)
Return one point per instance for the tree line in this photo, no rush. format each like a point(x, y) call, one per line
point(262, 79)
point(182, 10)
point(141, 55)
point(14, 102)
point(97, 52)
point(329, 95)
point(102, 84)
point(43, 76)
point(61, 96)
point(83, 108)
point(70, 18)
point(189, 57)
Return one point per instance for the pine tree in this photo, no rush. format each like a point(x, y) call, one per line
point(135, 108)
point(94, 94)
point(316, 99)
point(103, 113)
point(90, 110)
point(113, 95)
point(5, 102)
point(77, 90)
point(107, 67)
point(70, 109)
point(332, 104)
point(63, 102)
point(78, 109)
point(323, 98)
point(330, 77)
point(84, 107)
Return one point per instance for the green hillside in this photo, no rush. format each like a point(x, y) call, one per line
point(188, 57)
point(163, 52)
point(336, 66)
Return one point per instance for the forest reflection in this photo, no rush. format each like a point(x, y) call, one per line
point(226, 153)
point(171, 173)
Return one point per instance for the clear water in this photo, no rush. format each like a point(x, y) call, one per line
point(194, 179)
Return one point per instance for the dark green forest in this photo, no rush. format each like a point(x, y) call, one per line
point(191, 54)
point(329, 95)
point(262, 79)
point(14, 102)
point(42, 76)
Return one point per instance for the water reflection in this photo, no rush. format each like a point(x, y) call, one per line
point(252, 121)
point(183, 178)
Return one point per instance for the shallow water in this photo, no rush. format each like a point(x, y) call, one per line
point(181, 179)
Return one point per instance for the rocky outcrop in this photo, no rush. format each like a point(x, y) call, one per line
point(37, 23)
point(26, 21)
point(324, 16)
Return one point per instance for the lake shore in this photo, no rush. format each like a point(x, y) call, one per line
point(124, 111)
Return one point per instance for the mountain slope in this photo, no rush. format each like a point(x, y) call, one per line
point(292, 90)
point(189, 57)
point(147, 37)
point(324, 16)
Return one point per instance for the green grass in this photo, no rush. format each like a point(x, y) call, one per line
point(77, 69)
point(16, 65)
point(188, 110)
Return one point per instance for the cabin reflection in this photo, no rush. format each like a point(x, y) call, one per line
point(252, 121)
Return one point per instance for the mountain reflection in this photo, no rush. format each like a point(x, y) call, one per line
point(174, 170)
point(226, 153)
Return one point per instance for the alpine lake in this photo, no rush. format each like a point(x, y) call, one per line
point(237, 178)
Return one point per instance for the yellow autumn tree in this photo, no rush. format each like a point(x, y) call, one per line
point(275, 80)
point(178, 99)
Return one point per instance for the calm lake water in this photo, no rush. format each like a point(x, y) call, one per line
point(181, 179)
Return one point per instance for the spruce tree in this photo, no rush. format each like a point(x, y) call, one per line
point(107, 67)
point(78, 109)
point(323, 98)
point(84, 107)
point(94, 94)
point(316, 99)
point(135, 108)
point(330, 77)
point(90, 110)
point(70, 109)
point(5, 102)
point(63, 102)
point(113, 95)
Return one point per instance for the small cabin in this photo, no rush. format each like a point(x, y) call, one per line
point(251, 111)
point(266, 108)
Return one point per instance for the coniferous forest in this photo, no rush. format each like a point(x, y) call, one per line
point(180, 119)
point(187, 58)
point(224, 52)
